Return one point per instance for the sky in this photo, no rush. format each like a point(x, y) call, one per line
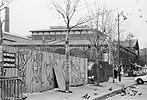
point(27, 15)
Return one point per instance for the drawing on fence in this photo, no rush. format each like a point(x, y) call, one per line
point(77, 71)
point(48, 68)
point(37, 66)
point(24, 56)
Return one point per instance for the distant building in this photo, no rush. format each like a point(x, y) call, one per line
point(79, 38)
point(143, 56)
point(129, 54)
point(59, 33)
point(9, 37)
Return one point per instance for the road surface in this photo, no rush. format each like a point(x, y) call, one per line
point(138, 92)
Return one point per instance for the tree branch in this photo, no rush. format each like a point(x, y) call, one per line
point(4, 3)
point(59, 10)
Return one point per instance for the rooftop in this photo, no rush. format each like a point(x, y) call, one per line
point(13, 37)
point(51, 43)
point(130, 43)
point(61, 28)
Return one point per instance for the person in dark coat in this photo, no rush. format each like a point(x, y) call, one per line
point(115, 73)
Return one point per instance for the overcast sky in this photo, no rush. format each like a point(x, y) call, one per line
point(26, 15)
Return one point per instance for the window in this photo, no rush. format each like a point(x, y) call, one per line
point(46, 33)
point(40, 33)
point(34, 33)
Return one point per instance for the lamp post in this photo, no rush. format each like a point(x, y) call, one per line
point(119, 67)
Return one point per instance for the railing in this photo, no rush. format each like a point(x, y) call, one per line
point(10, 88)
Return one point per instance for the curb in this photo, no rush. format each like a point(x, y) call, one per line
point(110, 94)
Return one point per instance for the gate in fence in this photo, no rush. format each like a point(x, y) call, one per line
point(10, 88)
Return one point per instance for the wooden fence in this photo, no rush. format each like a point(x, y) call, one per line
point(36, 68)
point(10, 89)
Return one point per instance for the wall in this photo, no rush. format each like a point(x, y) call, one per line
point(36, 68)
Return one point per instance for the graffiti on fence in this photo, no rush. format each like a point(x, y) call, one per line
point(24, 57)
point(37, 66)
point(49, 72)
point(77, 70)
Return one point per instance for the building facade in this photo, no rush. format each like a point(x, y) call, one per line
point(80, 38)
point(143, 56)
point(129, 55)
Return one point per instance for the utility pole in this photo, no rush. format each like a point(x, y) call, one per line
point(1, 32)
point(129, 53)
point(145, 56)
point(118, 49)
point(1, 41)
point(119, 67)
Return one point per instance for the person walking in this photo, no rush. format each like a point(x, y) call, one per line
point(115, 73)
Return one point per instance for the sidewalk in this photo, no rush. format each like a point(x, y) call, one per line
point(94, 92)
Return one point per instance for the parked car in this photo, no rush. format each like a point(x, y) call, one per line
point(141, 79)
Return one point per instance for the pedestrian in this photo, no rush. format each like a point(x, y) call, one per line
point(115, 73)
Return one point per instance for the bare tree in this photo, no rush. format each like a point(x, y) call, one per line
point(103, 28)
point(3, 4)
point(66, 9)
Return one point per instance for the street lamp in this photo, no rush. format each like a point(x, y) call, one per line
point(119, 67)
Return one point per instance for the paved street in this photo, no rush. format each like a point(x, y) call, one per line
point(138, 92)
point(78, 92)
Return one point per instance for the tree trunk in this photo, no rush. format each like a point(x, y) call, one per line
point(98, 58)
point(97, 74)
point(67, 62)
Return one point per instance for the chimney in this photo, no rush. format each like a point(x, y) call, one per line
point(6, 19)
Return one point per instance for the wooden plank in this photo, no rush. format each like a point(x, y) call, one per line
point(59, 76)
